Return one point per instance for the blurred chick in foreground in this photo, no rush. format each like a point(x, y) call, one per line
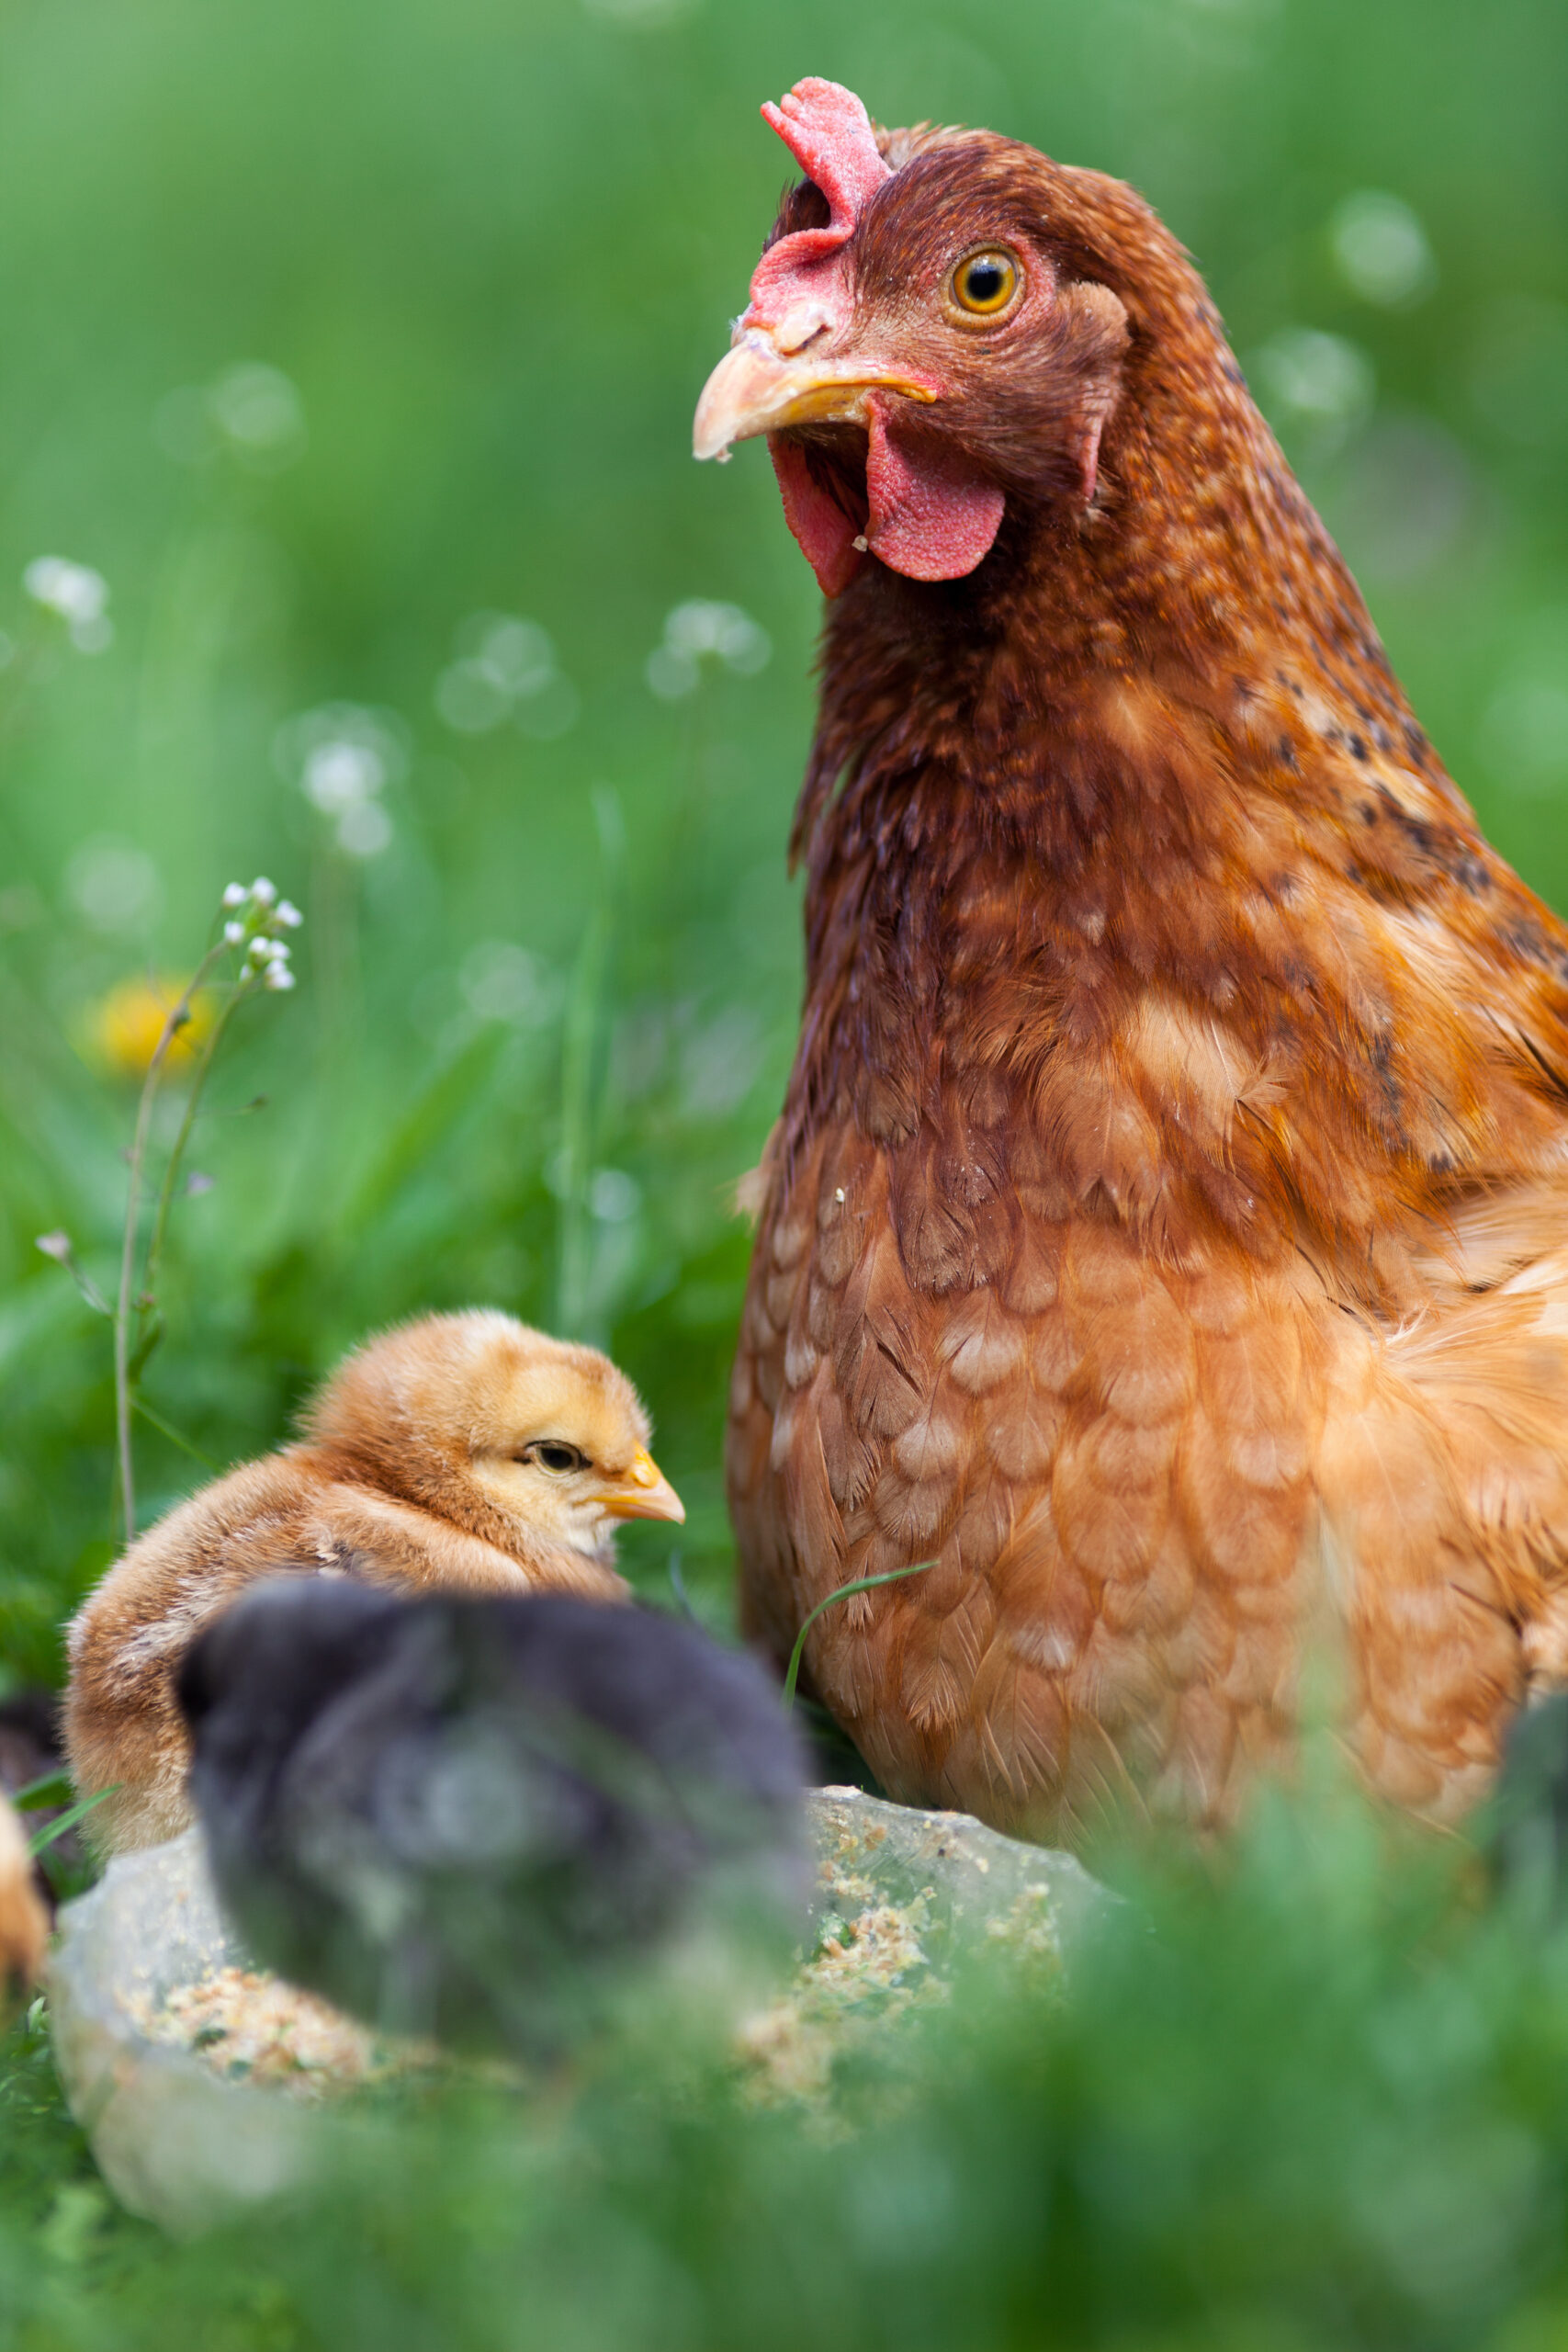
point(1166, 1230)
point(460, 1451)
point(455, 1817)
point(24, 1923)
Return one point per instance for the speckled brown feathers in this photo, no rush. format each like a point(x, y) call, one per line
point(1166, 1232)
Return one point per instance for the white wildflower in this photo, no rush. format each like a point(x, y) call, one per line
point(342, 753)
point(251, 412)
point(342, 776)
point(260, 950)
point(259, 414)
point(1320, 381)
point(671, 674)
point(288, 914)
point(612, 1195)
point(506, 669)
point(1381, 249)
point(501, 981)
point(701, 629)
point(233, 932)
point(366, 829)
point(235, 894)
point(77, 593)
point(277, 976)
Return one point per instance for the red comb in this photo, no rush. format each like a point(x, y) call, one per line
point(828, 132)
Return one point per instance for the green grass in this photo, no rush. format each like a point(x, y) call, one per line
point(493, 251)
point(1317, 2097)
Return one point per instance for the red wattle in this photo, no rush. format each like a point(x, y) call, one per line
point(825, 533)
point(932, 517)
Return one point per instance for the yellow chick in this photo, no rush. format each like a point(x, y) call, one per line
point(462, 1452)
point(24, 1925)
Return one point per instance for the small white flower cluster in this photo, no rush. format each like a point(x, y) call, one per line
point(506, 668)
point(343, 757)
point(78, 594)
point(257, 918)
point(699, 631)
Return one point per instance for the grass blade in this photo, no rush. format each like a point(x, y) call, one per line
point(860, 1584)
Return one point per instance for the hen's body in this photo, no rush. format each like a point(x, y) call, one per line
point(1167, 1233)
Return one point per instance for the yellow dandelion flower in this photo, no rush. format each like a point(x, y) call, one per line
point(124, 1027)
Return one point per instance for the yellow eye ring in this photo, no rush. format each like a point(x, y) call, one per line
point(985, 282)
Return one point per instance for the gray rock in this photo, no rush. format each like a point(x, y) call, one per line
point(173, 2143)
point(184, 2148)
point(966, 1877)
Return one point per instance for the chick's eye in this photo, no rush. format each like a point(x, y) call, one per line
point(986, 282)
point(551, 1454)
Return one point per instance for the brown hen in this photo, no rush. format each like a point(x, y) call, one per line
point(1166, 1230)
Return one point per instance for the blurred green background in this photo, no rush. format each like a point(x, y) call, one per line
point(341, 340)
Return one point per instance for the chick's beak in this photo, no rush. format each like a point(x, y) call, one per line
point(757, 387)
point(642, 1492)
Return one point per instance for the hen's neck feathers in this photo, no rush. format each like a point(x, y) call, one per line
point(1127, 855)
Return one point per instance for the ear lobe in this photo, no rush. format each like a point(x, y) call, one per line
point(1100, 335)
point(1083, 447)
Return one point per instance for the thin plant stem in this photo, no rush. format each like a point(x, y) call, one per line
point(860, 1584)
point(580, 1108)
point(245, 988)
point(577, 1122)
point(177, 1021)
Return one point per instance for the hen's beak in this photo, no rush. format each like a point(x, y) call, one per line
point(642, 1492)
point(757, 389)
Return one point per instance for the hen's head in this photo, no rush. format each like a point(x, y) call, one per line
point(942, 326)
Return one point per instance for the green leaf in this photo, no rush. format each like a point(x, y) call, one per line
point(42, 1792)
point(69, 1819)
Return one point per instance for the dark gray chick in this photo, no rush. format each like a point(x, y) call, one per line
point(465, 1817)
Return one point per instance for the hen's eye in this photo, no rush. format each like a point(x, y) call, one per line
point(985, 283)
point(558, 1459)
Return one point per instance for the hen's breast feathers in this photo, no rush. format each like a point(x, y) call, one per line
point(1145, 1486)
